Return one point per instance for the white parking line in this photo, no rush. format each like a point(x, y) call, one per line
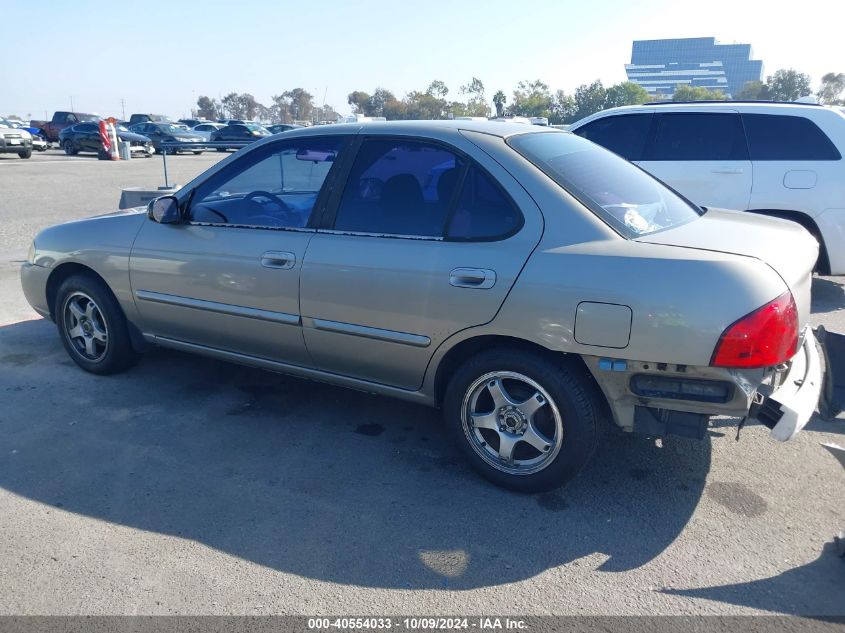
point(44, 162)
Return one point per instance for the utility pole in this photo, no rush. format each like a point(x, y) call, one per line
point(71, 104)
point(123, 108)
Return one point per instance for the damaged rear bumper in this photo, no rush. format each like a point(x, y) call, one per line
point(790, 407)
point(659, 399)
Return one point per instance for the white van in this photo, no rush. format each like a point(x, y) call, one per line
point(777, 159)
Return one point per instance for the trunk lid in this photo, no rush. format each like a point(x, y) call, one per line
point(786, 247)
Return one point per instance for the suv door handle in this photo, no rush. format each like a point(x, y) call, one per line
point(472, 278)
point(278, 259)
point(727, 171)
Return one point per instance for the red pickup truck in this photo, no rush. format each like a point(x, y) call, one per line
point(60, 121)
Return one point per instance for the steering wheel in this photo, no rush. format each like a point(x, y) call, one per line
point(270, 196)
point(288, 215)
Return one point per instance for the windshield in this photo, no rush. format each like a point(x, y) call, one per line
point(627, 198)
point(252, 127)
point(86, 118)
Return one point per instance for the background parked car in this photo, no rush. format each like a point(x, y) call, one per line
point(282, 127)
point(145, 118)
point(15, 141)
point(192, 123)
point(205, 129)
point(777, 159)
point(85, 137)
point(246, 133)
point(166, 132)
point(39, 143)
point(61, 119)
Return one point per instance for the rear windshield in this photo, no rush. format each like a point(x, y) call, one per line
point(627, 198)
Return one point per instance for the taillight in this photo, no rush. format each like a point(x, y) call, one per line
point(766, 337)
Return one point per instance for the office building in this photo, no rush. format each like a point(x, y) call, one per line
point(660, 65)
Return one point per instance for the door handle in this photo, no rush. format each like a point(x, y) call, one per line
point(472, 278)
point(727, 171)
point(278, 259)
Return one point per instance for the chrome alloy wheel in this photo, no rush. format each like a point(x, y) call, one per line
point(512, 423)
point(85, 327)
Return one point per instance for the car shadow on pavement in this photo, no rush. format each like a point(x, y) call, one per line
point(828, 295)
point(783, 593)
point(318, 481)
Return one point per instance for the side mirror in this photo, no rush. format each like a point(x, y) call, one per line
point(164, 210)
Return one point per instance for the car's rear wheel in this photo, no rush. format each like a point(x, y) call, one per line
point(524, 421)
point(197, 153)
point(70, 150)
point(92, 326)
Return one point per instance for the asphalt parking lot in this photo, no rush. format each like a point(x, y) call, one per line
point(194, 487)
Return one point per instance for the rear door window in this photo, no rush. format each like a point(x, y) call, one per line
point(691, 136)
point(399, 187)
point(483, 211)
point(783, 137)
point(624, 134)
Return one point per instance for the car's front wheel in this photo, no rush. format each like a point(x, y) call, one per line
point(92, 326)
point(524, 421)
point(70, 150)
point(27, 153)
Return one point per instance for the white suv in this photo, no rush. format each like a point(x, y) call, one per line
point(778, 159)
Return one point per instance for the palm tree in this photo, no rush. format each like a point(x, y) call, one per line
point(499, 101)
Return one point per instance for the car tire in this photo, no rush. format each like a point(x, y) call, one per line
point(548, 416)
point(221, 149)
point(70, 150)
point(25, 154)
point(92, 326)
point(197, 153)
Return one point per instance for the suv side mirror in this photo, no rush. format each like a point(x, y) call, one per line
point(164, 210)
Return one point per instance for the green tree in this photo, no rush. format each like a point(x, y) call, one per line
point(208, 108)
point(589, 99)
point(532, 98)
point(833, 84)
point(231, 106)
point(378, 100)
point(360, 102)
point(563, 108)
point(301, 104)
point(476, 104)
point(437, 89)
point(499, 100)
point(788, 85)
point(281, 108)
point(686, 92)
point(626, 93)
point(754, 91)
point(248, 106)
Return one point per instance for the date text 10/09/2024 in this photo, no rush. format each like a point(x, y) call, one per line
point(417, 623)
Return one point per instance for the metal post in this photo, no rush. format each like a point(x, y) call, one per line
point(164, 161)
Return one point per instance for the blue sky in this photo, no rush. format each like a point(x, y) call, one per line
point(160, 56)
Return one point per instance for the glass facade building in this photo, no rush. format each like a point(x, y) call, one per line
point(660, 65)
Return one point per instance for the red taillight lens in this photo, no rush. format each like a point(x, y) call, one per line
point(766, 337)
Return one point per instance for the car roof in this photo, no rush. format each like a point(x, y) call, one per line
point(421, 128)
point(752, 107)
